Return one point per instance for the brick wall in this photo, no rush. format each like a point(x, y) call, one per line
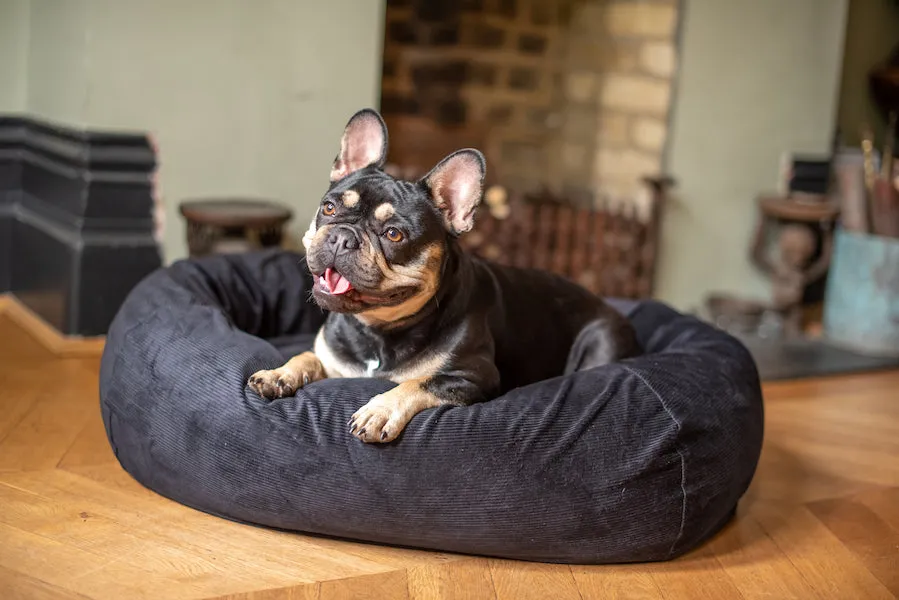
point(572, 94)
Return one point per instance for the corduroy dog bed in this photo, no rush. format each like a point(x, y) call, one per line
point(637, 461)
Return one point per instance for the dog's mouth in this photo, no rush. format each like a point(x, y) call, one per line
point(332, 282)
point(334, 286)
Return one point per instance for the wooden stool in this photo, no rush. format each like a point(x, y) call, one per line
point(228, 225)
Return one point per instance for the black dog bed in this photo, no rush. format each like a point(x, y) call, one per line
point(638, 461)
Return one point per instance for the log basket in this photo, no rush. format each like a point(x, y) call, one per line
point(608, 251)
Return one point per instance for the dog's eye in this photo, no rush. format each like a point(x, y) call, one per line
point(328, 209)
point(394, 235)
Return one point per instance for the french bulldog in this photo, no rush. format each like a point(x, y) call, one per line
point(405, 303)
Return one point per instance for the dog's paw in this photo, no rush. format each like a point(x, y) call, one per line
point(381, 420)
point(277, 383)
point(284, 381)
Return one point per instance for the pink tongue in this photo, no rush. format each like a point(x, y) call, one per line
point(337, 283)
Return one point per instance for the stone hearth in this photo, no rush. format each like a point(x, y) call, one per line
point(571, 94)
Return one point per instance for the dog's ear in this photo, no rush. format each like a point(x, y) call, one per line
point(456, 185)
point(364, 143)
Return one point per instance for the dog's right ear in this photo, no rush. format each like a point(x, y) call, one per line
point(364, 143)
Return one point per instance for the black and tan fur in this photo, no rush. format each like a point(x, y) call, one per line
point(446, 327)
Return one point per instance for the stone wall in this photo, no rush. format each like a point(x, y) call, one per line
point(573, 94)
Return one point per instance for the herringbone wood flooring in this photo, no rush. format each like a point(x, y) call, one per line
point(820, 521)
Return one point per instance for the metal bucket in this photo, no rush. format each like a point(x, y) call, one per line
point(861, 306)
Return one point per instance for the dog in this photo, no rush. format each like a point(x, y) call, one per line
point(405, 303)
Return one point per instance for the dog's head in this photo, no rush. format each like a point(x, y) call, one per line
point(377, 244)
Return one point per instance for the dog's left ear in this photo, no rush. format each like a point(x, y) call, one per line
point(364, 144)
point(456, 185)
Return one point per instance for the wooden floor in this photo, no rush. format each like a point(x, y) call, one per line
point(820, 521)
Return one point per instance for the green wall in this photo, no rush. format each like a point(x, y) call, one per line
point(14, 16)
point(872, 31)
point(757, 79)
point(243, 97)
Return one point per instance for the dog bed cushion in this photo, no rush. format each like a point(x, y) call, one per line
point(636, 461)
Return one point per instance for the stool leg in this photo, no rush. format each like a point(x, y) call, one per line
point(201, 238)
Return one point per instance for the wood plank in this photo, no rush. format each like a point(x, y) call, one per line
point(293, 554)
point(816, 389)
point(82, 572)
point(16, 586)
point(514, 580)
point(678, 578)
point(829, 568)
point(367, 587)
point(114, 477)
point(13, 408)
point(399, 558)
point(870, 538)
point(884, 503)
point(460, 580)
point(837, 445)
point(308, 591)
point(152, 549)
point(90, 447)
point(755, 564)
point(61, 409)
point(618, 582)
point(789, 479)
point(52, 426)
point(865, 460)
point(867, 415)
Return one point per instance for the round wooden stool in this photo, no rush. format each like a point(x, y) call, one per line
point(228, 225)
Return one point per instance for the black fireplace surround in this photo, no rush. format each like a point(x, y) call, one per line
point(76, 220)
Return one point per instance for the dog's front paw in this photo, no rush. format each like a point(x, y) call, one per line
point(277, 383)
point(378, 421)
point(284, 381)
point(386, 415)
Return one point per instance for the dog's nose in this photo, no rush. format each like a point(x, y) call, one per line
point(344, 238)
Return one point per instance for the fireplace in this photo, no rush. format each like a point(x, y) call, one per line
point(567, 95)
point(569, 101)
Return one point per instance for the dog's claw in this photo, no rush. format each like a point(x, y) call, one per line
point(361, 432)
point(305, 379)
point(383, 435)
